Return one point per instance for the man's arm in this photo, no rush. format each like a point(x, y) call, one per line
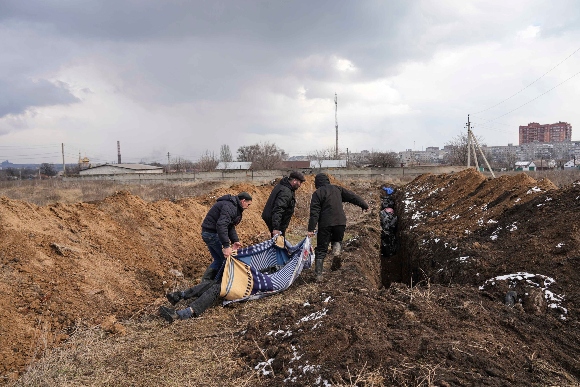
point(351, 197)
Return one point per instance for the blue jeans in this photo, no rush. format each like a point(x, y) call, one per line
point(215, 248)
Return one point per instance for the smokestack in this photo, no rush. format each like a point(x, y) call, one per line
point(118, 152)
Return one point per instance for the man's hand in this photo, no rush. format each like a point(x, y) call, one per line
point(310, 234)
point(276, 232)
point(236, 245)
point(227, 251)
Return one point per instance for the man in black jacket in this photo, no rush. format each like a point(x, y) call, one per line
point(218, 231)
point(326, 211)
point(280, 205)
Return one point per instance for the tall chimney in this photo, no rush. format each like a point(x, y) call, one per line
point(118, 152)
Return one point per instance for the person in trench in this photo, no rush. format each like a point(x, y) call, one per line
point(218, 231)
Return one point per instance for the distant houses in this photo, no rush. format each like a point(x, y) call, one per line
point(525, 166)
point(234, 166)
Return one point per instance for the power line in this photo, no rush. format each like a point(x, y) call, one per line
point(499, 103)
point(532, 100)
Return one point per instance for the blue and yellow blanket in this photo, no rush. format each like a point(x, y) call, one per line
point(264, 269)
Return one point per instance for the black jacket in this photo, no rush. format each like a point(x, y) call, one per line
point(326, 204)
point(280, 206)
point(223, 217)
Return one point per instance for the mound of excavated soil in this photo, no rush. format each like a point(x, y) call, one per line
point(465, 242)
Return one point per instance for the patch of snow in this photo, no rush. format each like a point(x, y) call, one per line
point(436, 240)
point(493, 237)
point(491, 221)
point(513, 227)
point(533, 190)
point(306, 304)
point(559, 245)
point(314, 316)
point(261, 367)
point(463, 259)
point(536, 280)
point(327, 299)
point(453, 217)
point(517, 200)
point(484, 207)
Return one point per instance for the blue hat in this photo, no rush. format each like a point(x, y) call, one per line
point(388, 190)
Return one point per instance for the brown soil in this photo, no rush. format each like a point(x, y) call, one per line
point(70, 270)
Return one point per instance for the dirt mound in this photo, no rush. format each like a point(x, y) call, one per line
point(466, 242)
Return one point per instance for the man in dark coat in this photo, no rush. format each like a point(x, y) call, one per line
point(326, 211)
point(218, 231)
point(280, 205)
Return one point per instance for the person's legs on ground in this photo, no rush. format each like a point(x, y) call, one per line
point(204, 301)
point(215, 249)
point(196, 308)
point(322, 241)
point(337, 235)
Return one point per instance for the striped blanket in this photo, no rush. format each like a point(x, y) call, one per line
point(264, 269)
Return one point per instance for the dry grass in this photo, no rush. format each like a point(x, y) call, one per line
point(196, 352)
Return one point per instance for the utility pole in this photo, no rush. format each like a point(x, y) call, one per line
point(468, 142)
point(118, 152)
point(168, 163)
point(471, 140)
point(63, 164)
point(336, 124)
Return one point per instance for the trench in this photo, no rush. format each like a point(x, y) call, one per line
point(395, 252)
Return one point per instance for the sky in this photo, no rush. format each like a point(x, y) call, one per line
point(185, 77)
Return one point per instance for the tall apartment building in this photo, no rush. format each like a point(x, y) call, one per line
point(534, 132)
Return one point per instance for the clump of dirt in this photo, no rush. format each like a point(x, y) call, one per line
point(492, 264)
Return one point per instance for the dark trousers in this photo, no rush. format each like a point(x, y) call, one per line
point(325, 236)
point(214, 246)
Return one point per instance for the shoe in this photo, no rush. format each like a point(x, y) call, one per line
point(168, 314)
point(318, 268)
point(173, 298)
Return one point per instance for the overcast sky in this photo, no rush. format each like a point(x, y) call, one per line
point(185, 77)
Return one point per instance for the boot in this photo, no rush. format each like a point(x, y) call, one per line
point(318, 267)
point(174, 297)
point(336, 260)
point(168, 314)
point(336, 248)
point(209, 274)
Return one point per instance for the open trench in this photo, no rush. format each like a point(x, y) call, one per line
point(396, 253)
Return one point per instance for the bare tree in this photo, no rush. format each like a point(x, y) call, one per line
point(262, 156)
point(321, 154)
point(457, 150)
point(226, 154)
point(182, 165)
point(383, 159)
point(207, 162)
point(47, 169)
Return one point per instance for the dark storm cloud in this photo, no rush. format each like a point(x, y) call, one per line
point(17, 96)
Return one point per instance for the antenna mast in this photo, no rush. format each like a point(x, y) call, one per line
point(336, 124)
